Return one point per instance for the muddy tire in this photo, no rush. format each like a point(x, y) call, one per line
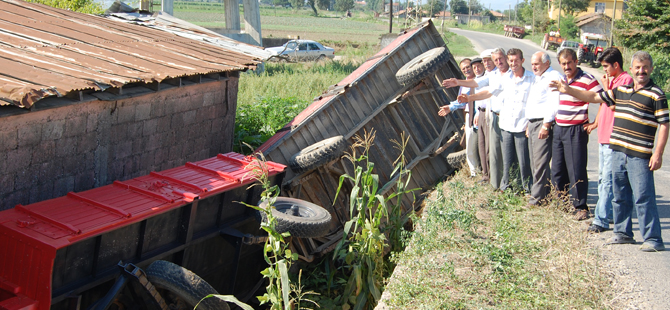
point(181, 288)
point(456, 159)
point(317, 154)
point(580, 56)
point(422, 66)
point(302, 219)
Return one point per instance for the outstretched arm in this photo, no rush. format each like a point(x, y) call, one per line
point(452, 82)
point(482, 95)
point(583, 95)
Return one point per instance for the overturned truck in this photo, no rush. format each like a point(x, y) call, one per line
point(169, 238)
point(397, 91)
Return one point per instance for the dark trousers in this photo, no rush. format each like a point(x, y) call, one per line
point(483, 134)
point(568, 165)
point(540, 156)
point(516, 159)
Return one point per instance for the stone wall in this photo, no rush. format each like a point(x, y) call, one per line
point(45, 154)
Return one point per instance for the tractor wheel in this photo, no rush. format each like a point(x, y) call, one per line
point(302, 219)
point(181, 288)
point(422, 66)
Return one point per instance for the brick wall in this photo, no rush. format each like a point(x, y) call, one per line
point(45, 154)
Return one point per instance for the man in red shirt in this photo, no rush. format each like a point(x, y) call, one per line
point(569, 157)
point(615, 76)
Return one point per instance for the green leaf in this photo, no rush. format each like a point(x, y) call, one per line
point(285, 284)
point(227, 298)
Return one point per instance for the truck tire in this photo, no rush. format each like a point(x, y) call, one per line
point(422, 66)
point(317, 154)
point(302, 219)
point(181, 288)
point(580, 56)
point(456, 159)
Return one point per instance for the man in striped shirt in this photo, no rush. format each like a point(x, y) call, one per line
point(615, 76)
point(640, 109)
point(568, 166)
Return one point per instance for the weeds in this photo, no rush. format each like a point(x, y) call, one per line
point(364, 240)
point(475, 248)
point(277, 254)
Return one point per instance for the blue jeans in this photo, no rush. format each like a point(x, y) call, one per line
point(603, 210)
point(633, 186)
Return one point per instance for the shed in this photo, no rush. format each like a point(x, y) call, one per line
point(594, 23)
point(86, 100)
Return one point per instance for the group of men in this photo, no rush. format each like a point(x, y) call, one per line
point(533, 127)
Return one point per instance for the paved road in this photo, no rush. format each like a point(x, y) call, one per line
point(646, 274)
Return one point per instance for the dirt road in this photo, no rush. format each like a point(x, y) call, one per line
point(642, 278)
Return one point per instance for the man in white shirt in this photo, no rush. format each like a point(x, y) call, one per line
point(492, 80)
point(513, 90)
point(470, 131)
point(540, 112)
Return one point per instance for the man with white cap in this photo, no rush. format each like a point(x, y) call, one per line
point(481, 117)
point(492, 80)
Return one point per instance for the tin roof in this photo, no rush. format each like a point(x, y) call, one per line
point(46, 52)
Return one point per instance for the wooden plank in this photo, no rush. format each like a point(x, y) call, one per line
point(355, 97)
point(413, 148)
point(352, 110)
point(341, 114)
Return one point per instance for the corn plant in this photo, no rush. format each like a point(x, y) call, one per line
point(362, 247)
point(277, 254)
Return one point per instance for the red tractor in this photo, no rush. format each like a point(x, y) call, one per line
point(591, 47)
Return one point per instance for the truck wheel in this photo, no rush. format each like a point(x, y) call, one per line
point(580, 56)
point(317, 154)
point(181, 288)
point(456, 159)
point(422, 66)
point(302, 219)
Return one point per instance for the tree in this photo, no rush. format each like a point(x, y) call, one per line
point(280, 2)
point(375, 5)
point(297, 4)
point(323, 4)
point(569, 29)
point(458, 7)
point(645, 25)
point(434, 6)
point(312, 4)
point(344, 5)
point(570, 7)
point(83, 6)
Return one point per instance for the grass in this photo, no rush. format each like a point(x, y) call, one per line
point(458, 45)
point(477, 249)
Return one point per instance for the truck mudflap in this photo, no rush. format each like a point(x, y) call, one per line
point(371, 98)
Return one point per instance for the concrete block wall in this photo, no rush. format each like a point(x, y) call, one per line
point(46, 154)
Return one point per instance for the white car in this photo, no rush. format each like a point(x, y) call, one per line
point(301, 50)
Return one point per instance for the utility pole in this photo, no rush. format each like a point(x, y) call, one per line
point(509, 11)
point(444, 13)
point(612, 27)
point(559, 17)
point(534, 1)
point(469, 11)
point(390, 16)
point(516, 9)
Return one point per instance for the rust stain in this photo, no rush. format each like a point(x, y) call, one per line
point(47, 52)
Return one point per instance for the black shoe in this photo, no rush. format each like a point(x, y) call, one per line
point(596, 229)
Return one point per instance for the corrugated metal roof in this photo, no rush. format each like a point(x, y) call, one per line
point(46, 51)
